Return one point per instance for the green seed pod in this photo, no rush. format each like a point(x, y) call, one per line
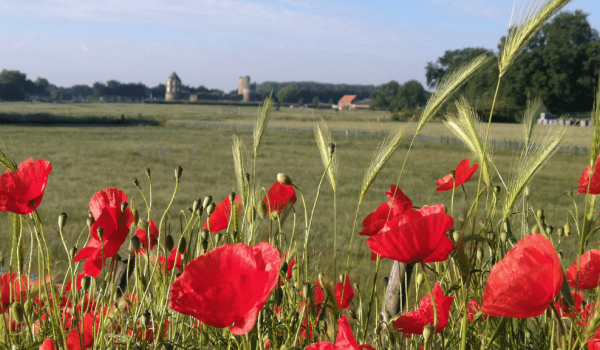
point(479, 253)
point(205, 235)
point(427, 332)
point(136, 216)
point(503, 236)
point(17, 312)
point(89, 223)
point(217, 238)
point(146, 318)
point(567, 229)
point(549, 230)
point(62, 220)
point(135, 243)
point(182, 246)
point(262, 209)
point(539, 213)
point(284, 179)
point(206, 202)
point(284, 268)
point(560, 231)
point(100, 232)
point(86, 283)
point(169, 243)
point(124, 206)
point(305, 290)
point(210, 209)
point(455, 235)
point(178, 172)
point(419, 279)
point(278, 296)
point(535, 229)
point(27, 307)
point(197, 206)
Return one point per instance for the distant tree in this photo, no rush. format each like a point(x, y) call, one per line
point(41, 87)
point(410, 95)
point(382, 96)
point(158, 91)
point(288, 94)
point(452, 59)
point(57, 95)
point(316, 102)
point(300, 101)
point(99, 89)
point(14, 85)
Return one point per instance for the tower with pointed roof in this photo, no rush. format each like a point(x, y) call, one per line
point(173, 87)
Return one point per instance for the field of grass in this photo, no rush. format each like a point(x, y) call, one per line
point(87, 159)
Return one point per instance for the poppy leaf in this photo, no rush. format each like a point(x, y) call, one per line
point(461, 257)
point(566, 292)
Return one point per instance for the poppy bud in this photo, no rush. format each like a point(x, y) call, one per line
point(206, 202)
point(204, 245)
point(560, 254)
point(190, 209)
point(535, 229)
point(73, 252)
point(386, 280)
point(479, 253)
point(305, 290)
point(498, 189)
point(178, 172)
point(217, 238)
point(567, 229)
point(453, 173)
point(560, 231)
point(539, 213)
point(27, 307)
point(146, 318)
point(18, 312)
point(274, 216)
point(182, 246)
point(86, 283)
point(135, 243)
point(341, 277)
point(232, 197)
point(419, 279)
point(62, 220)
point(100, 232)
point(205, 235)
point(503, 236)
point(427, 332)
point(262, 209)
point(89, 222)
point(284, 268)
point(284, 179)
point(210, 209)
point(196, 206)
point(124, 206)
point(169, 244)
point(549, 230)
point(356, 286)
point(278, 296)
point(331, 149)
point(136, 183)
point(251, 214)
point(352, 313)
point(148, 172)
point(142, 224)
point(491, 236)
point(456, 235)
point(136, 216)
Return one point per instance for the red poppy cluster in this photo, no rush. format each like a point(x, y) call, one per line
point(22, 191)
point(344, 341)
point(149, 238)
point(414, 322)
point(219, 220)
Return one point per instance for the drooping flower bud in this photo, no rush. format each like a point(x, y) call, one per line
point(278, 296)
point(197, 206)
point(549, 230)
point(210, 209)
point(178, 172)
point(146, 318)
point(419, 279)
point(73, 252)
point(205, 234)
point(206, 202)
point(86, 283)
point(352, 313)
point(148, 173)
point(27, 307)
point(124, 206)
point(479, 253)
point(17, 312)
point(284, 179)
point(100, 232)
point(331, 147)
point(136, 183)
point(503, 236)
point(284, 268)
point(136, 216)
point(560, 231)
point(62, 220)
point(427, 331)
point(182, 246)
point(539, 213)
point(305, 290)
point(135, 243)
point(567, 229)
point(169, 243)
point(142, 224)
point(262, 209)
point(455, 235)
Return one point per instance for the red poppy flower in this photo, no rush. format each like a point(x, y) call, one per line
point(565, 310)
point(219, 219)
point(344, 341)
point(22, 191)
point(280, 198)
point(589, 271)
point(228, 285)
point(171, 259)
point(462, 174)
point(48, 344)
point(473, 308)
point(344, 294)
point(68, 286)
point(12, 289)
point(584, 180)
point(525, 282)
point(376, 221)
point(85, 332)
point(150, 330)
point(413, 322)
point(147, 239)
point(105, 206)
point(415, 236)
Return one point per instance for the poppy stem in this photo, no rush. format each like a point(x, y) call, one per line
point(435, 313)
point(561, 327)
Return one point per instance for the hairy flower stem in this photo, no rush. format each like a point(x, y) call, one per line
point(435, 313)
point(373, 290)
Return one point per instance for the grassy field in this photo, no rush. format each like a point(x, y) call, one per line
point(87, 159)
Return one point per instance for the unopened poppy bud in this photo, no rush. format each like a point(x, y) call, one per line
point(560, 254)
point(146, 318)
point(386, 280)
point(427, 332)
point(284, 268)
point(124, 206)
point(136, 216)
point(567, 229)
point(73, 252)
point(232, 197)
point(148, 173)
point(210, 209)
point(178, 172)
point(86, 283)
point(169, 243)
point(453, 173)
point(206, 202)
point(135, 243)
point(197, 206)
point(27, 307)
point(251, 214)
point(278, 296)
point(456, 235)
point(356, 286)
point(535, 229)
point(205, 234)
point(419, 279)
point(62, 220)
point(305, 290)
point(142, 224)
point(539, 213)
point(204, 245)
point(560, 231)
point(135, 181)
point(89, 222)
point(491, 236)
point(190, 209)
point(217, 237)
point(274, 216)
point(341, 277)
point(182, 245)
point(503, 236)
point(284, 179)
point(479, 253)
point(331, 149)
point(352, 313)
point(549, 230)
point(498, 189)
point(18, 312)
point(262, 209)
point(100, 232)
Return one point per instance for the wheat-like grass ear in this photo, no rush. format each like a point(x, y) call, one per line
point(530, 162)
point(596, 131)
point(239, 164)
point(534, 107)
point(261, 123)
point(465, 125)
point(380, 157)
point(323, 138)
point(6, 160)
point(449, 84)
point(532, 19)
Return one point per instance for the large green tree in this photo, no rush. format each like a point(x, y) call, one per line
point(14, 85)
point(289, 94)
point(384, 94)
point(396, 97)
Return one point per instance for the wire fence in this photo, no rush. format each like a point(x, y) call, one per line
point(347, 134)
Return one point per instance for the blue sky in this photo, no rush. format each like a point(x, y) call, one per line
point(214, 42)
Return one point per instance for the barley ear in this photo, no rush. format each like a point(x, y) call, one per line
point(596, 125)
point(534, 107)
point(324, 140)
point(261, 123)
point(239, 163)
point(6, 160)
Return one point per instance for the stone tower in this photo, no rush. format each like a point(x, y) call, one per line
point(173, 87)
point(244, 87)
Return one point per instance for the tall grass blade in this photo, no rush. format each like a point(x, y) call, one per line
point(596, 133)
point(239, 164)
point(530, 162)
point(531, 20)
point(465, 125)
point(535, 106)
point(261, 123)
point(323, 137)
point(380, 157)
point(449, 84)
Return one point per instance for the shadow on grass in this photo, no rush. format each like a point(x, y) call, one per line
point(47, 119)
